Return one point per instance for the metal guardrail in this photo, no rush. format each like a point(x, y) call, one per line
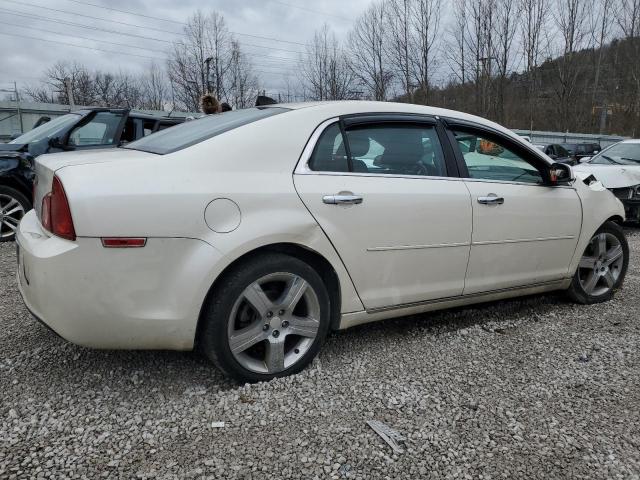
point(543, 137)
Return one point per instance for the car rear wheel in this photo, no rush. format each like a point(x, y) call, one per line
point(602, 267)
point(268, 318)
point(13, 206)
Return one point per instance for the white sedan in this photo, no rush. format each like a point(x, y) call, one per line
point(618, 168)
point(253, 233)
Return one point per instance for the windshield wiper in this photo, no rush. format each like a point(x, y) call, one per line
point(611, 160)
point(630, 160)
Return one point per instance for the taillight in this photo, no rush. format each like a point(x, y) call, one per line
point(56, 214)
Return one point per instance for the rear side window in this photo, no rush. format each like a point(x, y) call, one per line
point(392, 149)
point(190, 133)
point(329, 154)
point(397, 150)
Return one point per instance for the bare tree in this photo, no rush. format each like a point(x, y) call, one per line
point(413, 29)
point(324, 70)
point(480, 47)
point(571, 19)
point(426, 15)
point(456, 53)
point(82, 84)
point(368, 59)
point(506, 29)
point(154, 89)
point(199, 62)
point(243, 85)
point(628, 17)
point(533, 20)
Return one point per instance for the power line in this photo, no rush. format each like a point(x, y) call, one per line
point(80, 46)
point(117, 32)
point(79, 25)
point(127, 12)
point(67, 12)
point(88, 38)
point(273, 39)
point(308, 10)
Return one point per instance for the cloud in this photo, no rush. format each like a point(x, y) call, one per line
point(25, 59)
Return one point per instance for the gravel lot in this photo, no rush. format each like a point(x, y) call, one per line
point(533, 388)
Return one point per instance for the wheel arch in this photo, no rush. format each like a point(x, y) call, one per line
point(314, 259)
point(7, 181)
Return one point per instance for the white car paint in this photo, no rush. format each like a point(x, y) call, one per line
point(613, 176)
point(414, 245)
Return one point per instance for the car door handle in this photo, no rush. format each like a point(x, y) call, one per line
point(491, 199)
point(341, 199)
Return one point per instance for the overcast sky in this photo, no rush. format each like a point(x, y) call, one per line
point(24, 59)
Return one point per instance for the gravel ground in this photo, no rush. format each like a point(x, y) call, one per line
point(532, 388)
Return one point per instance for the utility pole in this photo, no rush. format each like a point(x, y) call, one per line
point(207, 62)
point(69, 89)
point(15, 90)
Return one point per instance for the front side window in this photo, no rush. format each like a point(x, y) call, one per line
point(488, 160)
point(101, 130)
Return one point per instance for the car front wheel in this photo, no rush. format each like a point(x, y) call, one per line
point(267, 318)
point(13, 206)
point(602, 267)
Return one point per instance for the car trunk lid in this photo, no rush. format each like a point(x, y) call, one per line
point(47, 165)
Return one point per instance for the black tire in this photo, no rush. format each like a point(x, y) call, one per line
point(22, 200)
point(576, 291)
point(213, 339)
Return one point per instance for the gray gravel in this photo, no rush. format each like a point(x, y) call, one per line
point(533, 388)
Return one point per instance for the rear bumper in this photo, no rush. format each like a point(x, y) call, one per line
point(142, 298)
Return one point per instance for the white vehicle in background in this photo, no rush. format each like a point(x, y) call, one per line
point(251, 234)
point(618, 169)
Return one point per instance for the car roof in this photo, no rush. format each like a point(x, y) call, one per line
point(132, 113)
point(350, 107)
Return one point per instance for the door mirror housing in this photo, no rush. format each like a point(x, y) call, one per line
point(585, 159)
point(56, 143)
point(560, 174)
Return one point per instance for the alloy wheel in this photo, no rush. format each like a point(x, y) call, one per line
point(11, 212)
point(273, 323)
point(601, 265)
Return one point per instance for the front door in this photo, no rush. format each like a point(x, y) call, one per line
point(400, 224)
point(524, 231)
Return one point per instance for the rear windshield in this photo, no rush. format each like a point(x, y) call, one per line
point(196, 131)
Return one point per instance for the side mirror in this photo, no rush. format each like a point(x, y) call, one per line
point(585, 159)
point(560, 174)
point(56, 143)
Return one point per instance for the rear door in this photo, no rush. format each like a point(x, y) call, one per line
point(524, 231)
point(384, 190)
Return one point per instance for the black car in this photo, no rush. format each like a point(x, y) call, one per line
point(558, 153)
point(80, 130)
point(581, 150)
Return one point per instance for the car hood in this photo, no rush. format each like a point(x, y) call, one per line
point(11, 147)
point(612, 176)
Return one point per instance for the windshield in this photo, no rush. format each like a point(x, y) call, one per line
point(48, 129)
point(619, 154)
point(196, 131)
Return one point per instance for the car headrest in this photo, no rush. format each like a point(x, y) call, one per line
point(359, 144)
